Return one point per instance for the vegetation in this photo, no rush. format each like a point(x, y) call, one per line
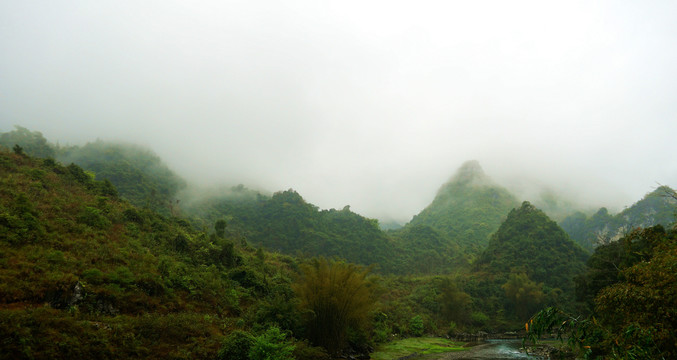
point(634, 314)
point(337, 298)
point(138, 174)
point(534, 259)
point(29, 142)
point(656, 208)
point(98, 261)
point(467, 209)
point(401, 348)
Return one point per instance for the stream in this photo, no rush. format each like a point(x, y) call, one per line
point(490, 349)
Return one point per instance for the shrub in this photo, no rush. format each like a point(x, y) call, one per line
point(271, 345)
point(92, 216)
point(236, 346)
point(416, 326)
point(92, 276)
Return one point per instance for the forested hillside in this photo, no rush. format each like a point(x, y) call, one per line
point(84, 274)
point(536, 255)
point(466, 210)
point(285, 222)
point(101, 261)
point(630, 290)
point(656, 208)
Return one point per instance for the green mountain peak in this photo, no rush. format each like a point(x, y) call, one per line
point(470, 173)
point(468, 208)
point(529, 241)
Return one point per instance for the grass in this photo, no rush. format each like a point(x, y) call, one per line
point(421, 345)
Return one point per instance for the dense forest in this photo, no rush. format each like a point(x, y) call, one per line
point(106, 253)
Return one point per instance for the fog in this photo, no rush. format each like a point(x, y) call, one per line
point(372, 104)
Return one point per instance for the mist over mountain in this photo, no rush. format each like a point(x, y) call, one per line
point(290, 179)
point(468, 208)
point(602, 227)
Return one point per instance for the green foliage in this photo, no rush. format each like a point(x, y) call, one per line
point(656, 208)
point(337, 296)
point(287, 223)
point(454, 302)
point(138, 174)
point(236, 346)
point(304, 351)
point(525, 296)
point(479, 319)
point(452, 328)
point(422, 345)
point(22, 140)
point(93, 217)
point(635, 315)
point(529, 242)
point(416, 326)
point(89, 276)
point(467, 209)
point(606, 265)
point(271, 345)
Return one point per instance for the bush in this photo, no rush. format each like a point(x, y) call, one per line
point(92, 276)
point(416, 326)
point(272, 345)
point(479, 319)
point(92, 216)
point(304, 351)
point(236, 346)
point(452, 328)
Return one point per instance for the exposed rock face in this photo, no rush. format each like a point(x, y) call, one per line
point(78, 294)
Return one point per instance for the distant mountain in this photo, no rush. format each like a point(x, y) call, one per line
point(529, 241)
point(285, 222)
point(656, 208)
point(140, 175)
point(467, 209)
point(31, 142)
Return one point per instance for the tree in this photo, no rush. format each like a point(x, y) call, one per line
point(220, 228)
point(523, 294)
point(271, 345)
point(22, 140)
point(454, 303)
point(336, 296)
point(635, 317)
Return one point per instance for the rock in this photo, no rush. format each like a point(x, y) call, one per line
point(78, 294)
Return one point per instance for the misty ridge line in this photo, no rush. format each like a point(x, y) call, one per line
point(555, 204)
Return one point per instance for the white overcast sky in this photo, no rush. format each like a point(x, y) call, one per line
point(374, 104)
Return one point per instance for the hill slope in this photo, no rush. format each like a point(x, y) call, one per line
point(84, 275)
point(528, 241)
point(656, 208)
point(467, 209)
point(285, 222)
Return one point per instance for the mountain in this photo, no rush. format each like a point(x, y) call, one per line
point(285, 222)
point(656, 208)
point(529, 241)
point(31, 142)
point(140, 175)
point(87, 275)
point(467, 209)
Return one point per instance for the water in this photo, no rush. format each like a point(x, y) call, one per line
point(489, 350)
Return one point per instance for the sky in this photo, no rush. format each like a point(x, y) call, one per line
point(372, 104)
